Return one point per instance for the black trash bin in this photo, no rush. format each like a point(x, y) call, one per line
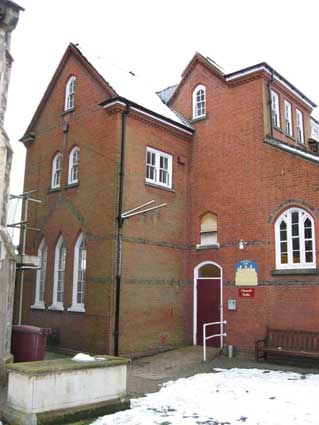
point(29, 342)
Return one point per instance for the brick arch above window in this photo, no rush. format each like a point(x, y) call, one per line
point(289, 203)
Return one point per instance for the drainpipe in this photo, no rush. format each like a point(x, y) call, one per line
point(270, 108)
point(119, 237)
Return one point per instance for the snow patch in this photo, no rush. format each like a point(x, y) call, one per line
point(80, 357)
point(235, 396)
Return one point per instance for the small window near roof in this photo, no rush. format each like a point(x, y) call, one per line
point(300, 135)
point(199, 102)
point(74, 160)
point(56, 171)
point(69, 94)
point(158, 167)
point(208, 229)
point(275, 109)
point(288, 119)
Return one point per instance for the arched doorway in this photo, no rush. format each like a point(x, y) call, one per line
point(208, 301)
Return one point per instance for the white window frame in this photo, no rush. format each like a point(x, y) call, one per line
point(58, 305)
point(275, 109)
point(77, 267)
point(300, 129)
point(288, 118)
point(69, 102)
point(41, 276)
point(157, 168)
point(56, 174)
point(199, 105)
point(74, 163)
point(286, 216)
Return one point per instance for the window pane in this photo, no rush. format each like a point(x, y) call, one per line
point(295, 244)
point(295, 217)
point(309, 257)
point(308, 245)
point(296, 257)
point(283, 247)
point(308, 233)
point(295, 230)
point(284, 258)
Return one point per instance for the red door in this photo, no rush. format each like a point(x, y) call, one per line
point(208, 302)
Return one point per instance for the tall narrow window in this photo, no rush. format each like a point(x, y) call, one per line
point(41, 276)
point(275, 109)
point(288, 118)
point(208, 230)
point(199, 102)
point(79, 270)
point(59, 275)
point(74, 160)
point(158, 167)
point(300, 135)
point(70, 94)
point(56, 171)
point(295, 240)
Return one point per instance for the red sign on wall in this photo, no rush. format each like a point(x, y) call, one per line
point(246, 292)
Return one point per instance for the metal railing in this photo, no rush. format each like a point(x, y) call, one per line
point(221, 334)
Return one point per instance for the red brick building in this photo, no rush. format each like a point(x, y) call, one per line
point(235, 159)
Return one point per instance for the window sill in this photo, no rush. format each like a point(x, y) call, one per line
point(56, 307)
point(278, 129)
point(201, 118)
point(67, 111)
point(37, 306)
point(290, 137)
point(54, 189)
point(158, 186)
point(76, 309)
point(212, 246)
point(287, 272)
point(71, 185)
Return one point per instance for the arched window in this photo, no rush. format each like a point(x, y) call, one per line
point(79, 269)
point(199, 102)
point(70, 93)
point(208, 229)
point(59, 275)
point(295, 240)
point(74, 160)
point(41, 276)
point(56, 171)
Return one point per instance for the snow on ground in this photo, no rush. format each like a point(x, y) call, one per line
point(228, 397)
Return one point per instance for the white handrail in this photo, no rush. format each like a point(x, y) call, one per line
point(224, 322)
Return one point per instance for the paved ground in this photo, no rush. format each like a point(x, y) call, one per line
point(145, 375)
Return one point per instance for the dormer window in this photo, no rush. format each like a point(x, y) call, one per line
point(74, 160)
point(56, 171)
point(69, 94)
point(199, 102)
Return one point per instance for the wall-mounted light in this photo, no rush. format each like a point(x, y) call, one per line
point(242, 244)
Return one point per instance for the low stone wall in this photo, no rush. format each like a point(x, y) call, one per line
point(60, 391)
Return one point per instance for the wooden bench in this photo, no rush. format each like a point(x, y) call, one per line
point(288, 343)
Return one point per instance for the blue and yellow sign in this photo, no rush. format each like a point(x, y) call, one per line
point(246, 273)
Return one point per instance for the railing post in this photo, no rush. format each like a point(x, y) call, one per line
point(204, 342)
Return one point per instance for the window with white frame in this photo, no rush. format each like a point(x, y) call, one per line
point(41, 276)
point(158, 167)
point(208, 229)
point(79, 269)
point(300, 135)
point(295, 240)
point(275, 111)
point(288, 118)
point(199, 102)
point(74, 160)
point(59, 275)
point(69, 102)
point(56, 171)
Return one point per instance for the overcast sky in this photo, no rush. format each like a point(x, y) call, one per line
point(156, 39)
